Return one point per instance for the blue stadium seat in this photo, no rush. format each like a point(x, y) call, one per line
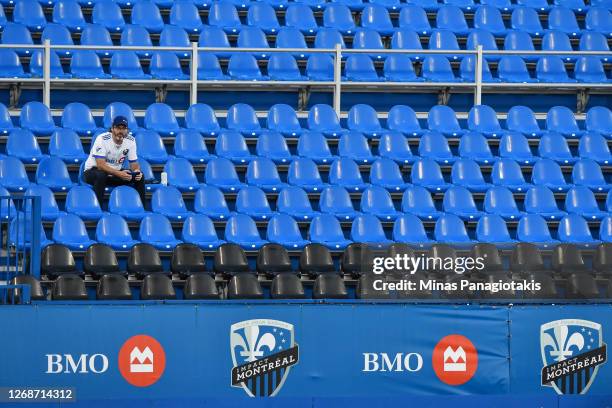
point(328, 38)
point(160, 118)
point(532, 228)
point(377, 201)
point(150, 146)
point(580, 200)
point(125, 201)
point(488, 17)
point(210, 201)
point(242, 118)
point(156, 230)
point(451, 18)
point(526, 19)
point(37, 117)
point(291, 37)
point(201, 117)
point(408, 229)
point(354, 5)
point(592, 41)
point(338, 17)
point(367, 229)
point(301, 17)
point(599, 119)
point(552, 69)
point(595, 147)
point(272, 145)
point(214, 37)
point(492, 228)
point(304, 173)
point(16, 235)
point(394, 146)
point(6, 123)
point(262, 173)
point(513, 145)
point(3, 19)
point(417, 200)
point(181, 174)
point(185, 14)
point(474, 146)
point(541, 200)
point(52, 172)
point(30, 14)
point(283, 230)
point(85, 64)
point(36, 65)
point(345, 172)
point(22, 144)
point(605, 229)
point(429, 5)
point(522, 119)
point(590, 69)
point(224, 15)
point(294, 202)
point(586, 172)
point(354, 145)
point(368, 38)
point(464, 4)
point(437, 68)
point(322, 118)
point(137, 36)
point(57, 34)
point(433, 145)
point(82, 201)
point(443, 119)
point(575, 230)
point(13, 175)
point(313, 4)
point(232, 145)
point(376, 17)
point(563, 19)
point(49, 210)
point(320, 67)
point(78, 117)
point(283, 67)
point(360, 68)
point(108, 14)
point(220, 173)
point(313, 145)
point(443, 40)
point(166, 65)
point(466, 173)
point(119, 108)
point(262, 15)
point(336, 200)
point(483, 119)
point(554, 146)
point(68, 13)
point(363, 118)
point(96, 35)
point(252, 201)
point(241, 230)
point(199, 230)
point(609, 202)
point(146, 13)
point(599, 19)
point(520, 41)
point(507, 173)
point(402, 118)
point(112, 230)
point(325, 229)
point(69, 230)
point(499, 200)
point(576, 5)
point(190, 145)
point(407, 39)
point(386, 173)
point(253, 37)
point(282, 118)
point(467, 70)
point(512, 68)
point(398, 68)
point(427, 173)
point(479, 37)
point(561, 119)
point(413, 17)
point(13, 33)
point(555, 40)
point(540, 5)
point(459, 201)
point(450, 229)
point(147, 173)
point(168, 201)
point(126, 65)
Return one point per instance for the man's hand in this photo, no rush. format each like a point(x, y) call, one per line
point(138, 176)
point(125, 175)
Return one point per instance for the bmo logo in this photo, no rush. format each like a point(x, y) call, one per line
point(399, 362)
point(81, 364)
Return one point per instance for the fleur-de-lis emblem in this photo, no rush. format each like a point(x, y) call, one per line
point(561, 344)
point(254, 345)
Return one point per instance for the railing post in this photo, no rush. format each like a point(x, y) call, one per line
point(478, 76)
point(47, 74)
point(194, 74)
point(35, 239)
point(337, 78)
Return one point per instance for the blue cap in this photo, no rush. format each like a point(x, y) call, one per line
point(120, 121)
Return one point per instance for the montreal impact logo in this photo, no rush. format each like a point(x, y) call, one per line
point(263, 352)
point(572, 351)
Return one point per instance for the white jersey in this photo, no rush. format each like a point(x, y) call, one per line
point(105, 148)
